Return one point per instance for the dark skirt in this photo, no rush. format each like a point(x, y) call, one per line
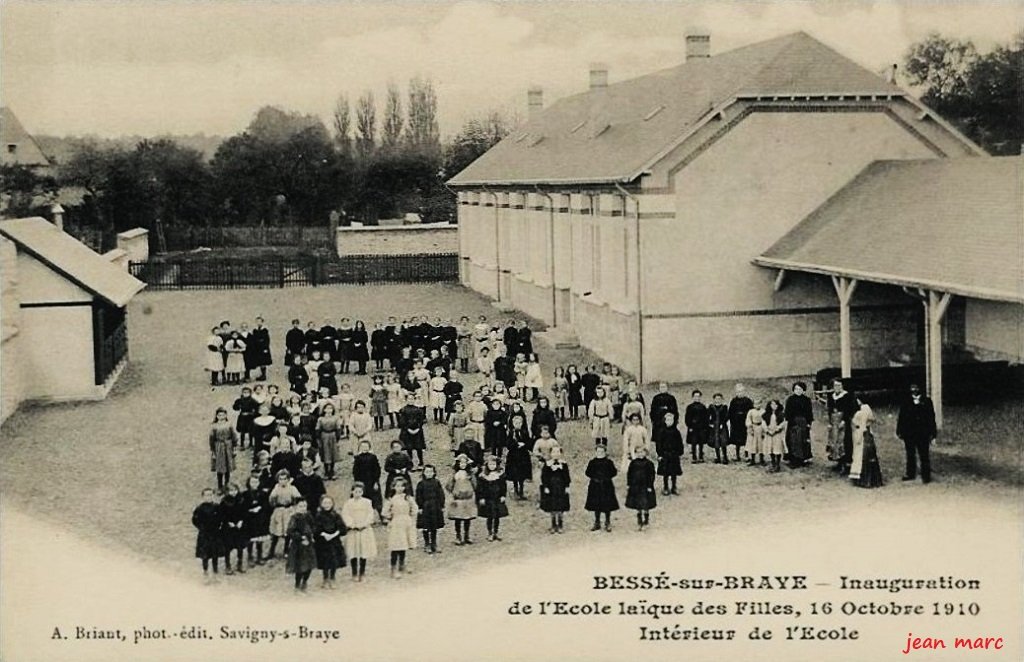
point(412, 441)
point(301, 558)
point(432, 517)
point(330, 554)
point(670, 465)
point(798, 440)
point(871, 472)
point(244, 423)
point(641, 498)
point(492, 509)
point(519, 467)
point(601, 497)
point(556, 502)
point(209, 545)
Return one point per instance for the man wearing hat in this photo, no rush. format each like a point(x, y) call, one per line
point(916, 427)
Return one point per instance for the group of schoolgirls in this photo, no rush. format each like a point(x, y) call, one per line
point(233, 354)
point(350, 342)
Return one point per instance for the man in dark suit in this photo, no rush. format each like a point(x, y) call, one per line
point(916, 427)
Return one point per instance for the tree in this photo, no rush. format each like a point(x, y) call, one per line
point(980, 94)
point(277, 125)
point(476, 137)
point(366, 125)
point(422, 132)
point(392, 130)
point(343, 126)
point(24, 191)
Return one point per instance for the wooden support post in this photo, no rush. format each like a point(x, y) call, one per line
point(780, 279)
point(936, 306)
point(845, 288)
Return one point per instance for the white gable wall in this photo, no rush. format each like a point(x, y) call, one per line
point(38, 283)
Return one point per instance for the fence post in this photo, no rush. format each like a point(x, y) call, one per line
point(280, 271)
point(316, 270)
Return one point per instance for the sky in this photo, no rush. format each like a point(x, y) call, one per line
point(149, 68)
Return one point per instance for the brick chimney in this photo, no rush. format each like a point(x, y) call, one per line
point(534, 101)
point(598, 75)
point(698, 44)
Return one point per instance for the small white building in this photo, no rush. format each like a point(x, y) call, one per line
point(64, 313)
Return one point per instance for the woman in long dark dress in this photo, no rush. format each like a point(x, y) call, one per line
point(519, 467)
point(358, 350)
point(366, 470)
point(601, 499)
point(330, 530)
point(799, 416)
point(640, 494)
point(668, 444)
point(554, 490)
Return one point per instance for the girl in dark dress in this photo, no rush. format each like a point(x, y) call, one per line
point(601, 499)
point(358, 351)
point(543, 415)
point(668, 444)
point(491, 491)
point(297, 376)
point(233, 508)
point(575, 393)
point(259, 341)
point(396, 465)
point(519, 467)
point(257, 523)
point(327, 374)
point(430, 502)
point(301, 553)
point(554, 488)
point(366, 470)
point(799, 416)
point(329, 529)
point(208, 520)
point(247, 409)
point(471, 448)
point(411, 418)
point(495, 430)
point(640, 494)
point(378, 346)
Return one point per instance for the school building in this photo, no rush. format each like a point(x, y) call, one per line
point(631, 216)
point(64, 313)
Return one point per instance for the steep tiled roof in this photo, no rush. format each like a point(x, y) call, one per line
point(954, 225)
point(25, 150)
point(613, 133)
point(72, 259)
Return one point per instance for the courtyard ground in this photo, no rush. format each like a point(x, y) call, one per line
point(127, 471)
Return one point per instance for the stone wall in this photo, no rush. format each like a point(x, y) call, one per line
point(398, 240)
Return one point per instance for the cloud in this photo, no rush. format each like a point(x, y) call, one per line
point(208, 68)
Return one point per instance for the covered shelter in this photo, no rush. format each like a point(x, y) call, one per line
point(938, 229)
point(65, 314)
